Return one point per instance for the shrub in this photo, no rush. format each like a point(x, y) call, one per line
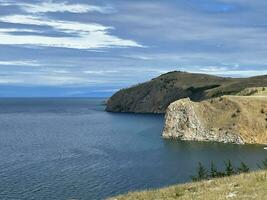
point(234, 115)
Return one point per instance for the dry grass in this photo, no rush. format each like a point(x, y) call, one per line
point(243, 115)
point(245, 186)
point(254, 91)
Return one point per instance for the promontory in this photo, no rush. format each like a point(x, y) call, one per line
point(157, 94)
point(227, 119)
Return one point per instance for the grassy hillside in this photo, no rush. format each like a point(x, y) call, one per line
point(255, 91)
point(245, 116)
point(245, 186)
point(154, 96)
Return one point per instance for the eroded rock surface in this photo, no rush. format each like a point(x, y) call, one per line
point(228, 119)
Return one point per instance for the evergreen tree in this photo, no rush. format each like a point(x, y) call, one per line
point(243, 168)
point(201, 173)
point(263, 165)
point(213, 170)
point(229, 169)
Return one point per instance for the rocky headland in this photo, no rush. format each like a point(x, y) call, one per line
point(157, 94)
point(227, 119)
point(201, 107)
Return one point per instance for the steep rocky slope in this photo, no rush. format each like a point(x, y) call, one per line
point(228, 119)
point(154, 96)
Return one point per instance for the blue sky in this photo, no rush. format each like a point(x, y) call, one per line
point(93, 48)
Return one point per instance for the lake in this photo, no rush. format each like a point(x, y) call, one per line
point(56, 148)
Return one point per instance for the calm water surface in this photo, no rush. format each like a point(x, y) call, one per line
point(72, 149)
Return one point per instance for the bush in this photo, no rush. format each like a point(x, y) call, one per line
point(234, 115)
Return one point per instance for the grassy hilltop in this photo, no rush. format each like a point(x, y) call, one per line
point(155, 95)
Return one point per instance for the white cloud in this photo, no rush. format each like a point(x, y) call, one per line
point(66, 26)
point(139, 57)
point(101, 72)
point(51, 6)
point(12, 30)
point(31, 63)
point(47, 79)
point(223, 71)
point(214, 69)
point(88, 35)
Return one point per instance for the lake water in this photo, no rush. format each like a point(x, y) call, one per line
point(73, 149)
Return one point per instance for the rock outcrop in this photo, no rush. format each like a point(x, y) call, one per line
point(227, 119)
point(156, 95)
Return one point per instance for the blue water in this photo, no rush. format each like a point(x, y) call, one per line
point(73, 149)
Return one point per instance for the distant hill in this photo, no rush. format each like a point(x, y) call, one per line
point(155, 95)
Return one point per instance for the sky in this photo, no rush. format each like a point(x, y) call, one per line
point(81, 48)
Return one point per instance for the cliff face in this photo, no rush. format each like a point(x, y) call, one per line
point(155, 96)
point(228, 119)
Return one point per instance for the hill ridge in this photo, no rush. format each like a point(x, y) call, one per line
point(154, 96)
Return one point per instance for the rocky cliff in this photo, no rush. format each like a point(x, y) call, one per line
point(228, 119)
point(155, 96)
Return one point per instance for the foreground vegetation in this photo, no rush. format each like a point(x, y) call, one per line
point(244, 186)
point(233, 183)
point(229, 170)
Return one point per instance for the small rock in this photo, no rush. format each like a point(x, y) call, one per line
point(231, 195)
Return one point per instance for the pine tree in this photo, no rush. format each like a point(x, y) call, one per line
point(229, 169)
point(243, 168)
point(201, 173)
point(213, 170)
point(263, 165)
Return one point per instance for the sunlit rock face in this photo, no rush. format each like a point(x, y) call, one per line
point(227, 119)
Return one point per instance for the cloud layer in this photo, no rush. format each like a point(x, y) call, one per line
point(50, 6)
point(113, 44)
point(81, 35)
